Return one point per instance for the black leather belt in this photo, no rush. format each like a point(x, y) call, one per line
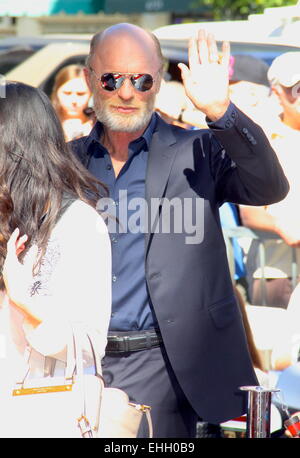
point(124, 342)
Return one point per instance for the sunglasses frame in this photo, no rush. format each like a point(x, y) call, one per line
point(124, 76)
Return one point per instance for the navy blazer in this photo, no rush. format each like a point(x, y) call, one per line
point(190, 283)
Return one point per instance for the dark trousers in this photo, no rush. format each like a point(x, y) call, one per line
point(147, 378)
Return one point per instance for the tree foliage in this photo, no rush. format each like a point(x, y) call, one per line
point(239, 9)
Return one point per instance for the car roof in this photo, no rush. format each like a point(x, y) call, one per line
point(174, 39)
point(43, 63)
point(235, 31)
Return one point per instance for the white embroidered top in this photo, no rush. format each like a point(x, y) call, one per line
point(73, 285)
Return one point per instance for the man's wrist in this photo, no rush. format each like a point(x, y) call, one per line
point(217, 113)
point(226, 121)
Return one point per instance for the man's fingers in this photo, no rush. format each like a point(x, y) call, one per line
point(212, 48)
point(226, 54)
point(203, 47)
point(193, 54)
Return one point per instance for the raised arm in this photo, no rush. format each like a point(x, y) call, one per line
point(260, 219)
point(253, 175)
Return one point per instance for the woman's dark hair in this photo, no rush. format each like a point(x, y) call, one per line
point(37, 168)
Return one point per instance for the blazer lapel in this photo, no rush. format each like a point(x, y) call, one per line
point(162, 153)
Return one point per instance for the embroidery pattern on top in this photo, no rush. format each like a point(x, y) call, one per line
point(41, 284)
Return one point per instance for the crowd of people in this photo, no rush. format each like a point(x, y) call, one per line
point(168, 315)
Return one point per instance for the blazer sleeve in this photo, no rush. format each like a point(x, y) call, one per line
point(244, 165)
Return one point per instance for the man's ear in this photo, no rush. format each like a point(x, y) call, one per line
point(87, 75)
point(159, 82)
point(277, 90)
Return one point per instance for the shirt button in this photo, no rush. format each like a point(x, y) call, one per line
point(108, 167)
point(114, 278)
point(114, 239)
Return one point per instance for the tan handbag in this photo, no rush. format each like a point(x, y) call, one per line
point(71, 406)
point(119, 417)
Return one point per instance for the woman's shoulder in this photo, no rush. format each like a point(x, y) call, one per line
point(80, 216)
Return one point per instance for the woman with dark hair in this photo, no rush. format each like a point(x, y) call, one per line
point(70, 97)
point(55, 254)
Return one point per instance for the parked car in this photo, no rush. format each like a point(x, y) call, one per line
point(15, 50)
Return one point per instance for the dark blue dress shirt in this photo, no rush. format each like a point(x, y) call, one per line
point(131, 309)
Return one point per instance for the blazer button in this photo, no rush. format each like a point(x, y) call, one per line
point(244, 130)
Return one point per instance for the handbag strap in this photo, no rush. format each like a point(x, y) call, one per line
point(83, 422)
point(76, 348)
point(149, 420)
point(146, 410)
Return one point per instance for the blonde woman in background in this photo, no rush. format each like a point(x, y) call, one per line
point(70, 98)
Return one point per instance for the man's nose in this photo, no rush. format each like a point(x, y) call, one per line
point(126, 91)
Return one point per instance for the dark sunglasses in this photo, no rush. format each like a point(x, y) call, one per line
point(112, 81)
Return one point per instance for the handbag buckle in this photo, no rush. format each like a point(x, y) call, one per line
point(143, 407)
point(85, 427)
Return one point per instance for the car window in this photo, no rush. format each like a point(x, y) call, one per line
point(13, 57)
point(47, 85)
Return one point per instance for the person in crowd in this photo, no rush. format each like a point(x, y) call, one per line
point(171, 102)
point(281, 219)
point(70, 97)
point(248, 84)
point(230, 219)
point(48, 221)
point(176, 339)
point(287, 349)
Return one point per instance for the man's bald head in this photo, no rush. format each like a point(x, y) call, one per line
point(146, 40)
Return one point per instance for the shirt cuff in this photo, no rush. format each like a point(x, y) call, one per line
point(227, 121)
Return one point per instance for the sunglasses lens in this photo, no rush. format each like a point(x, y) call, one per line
point(142, 82)
point(111, 82)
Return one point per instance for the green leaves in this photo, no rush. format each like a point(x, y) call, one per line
point(239, 9)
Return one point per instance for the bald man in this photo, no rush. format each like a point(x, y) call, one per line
point(176, 339)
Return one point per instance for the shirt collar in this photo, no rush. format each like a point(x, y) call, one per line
point(147, 135)
point(96, 132)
